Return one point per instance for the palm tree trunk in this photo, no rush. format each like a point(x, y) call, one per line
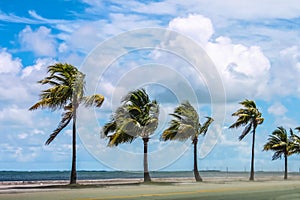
point(73, 177)
point(285, 166)
point(252, 157)
point(146, 171)
point(196, 172)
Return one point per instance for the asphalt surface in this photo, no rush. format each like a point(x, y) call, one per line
point(242, 190)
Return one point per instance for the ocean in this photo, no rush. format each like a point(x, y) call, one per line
point(98, 175)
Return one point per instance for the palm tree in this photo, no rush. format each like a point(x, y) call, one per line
point(250, 117)
point(295, 139)
point(186, 125)
point(66, 92)
point(136, 117)
point(280, 143)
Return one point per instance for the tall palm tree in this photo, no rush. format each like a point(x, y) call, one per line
point(250, 117)
point(280, 143)
point(295, 139)
point(186, 125)
point(66, 92)
point(136, 117)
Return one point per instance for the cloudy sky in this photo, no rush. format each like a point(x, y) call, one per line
point(212, 53)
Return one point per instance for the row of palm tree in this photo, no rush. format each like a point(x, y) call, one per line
point(250, 117)
point(137, 117)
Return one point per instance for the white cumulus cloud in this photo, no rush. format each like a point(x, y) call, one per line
point(8, 64)
point(40, 41)
point(245, 70)
point(195, 26)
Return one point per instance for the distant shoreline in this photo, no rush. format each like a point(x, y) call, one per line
point(20, 177)
point(120, 181)
point(44, 180)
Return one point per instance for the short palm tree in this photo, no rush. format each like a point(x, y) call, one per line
point(136, 117)
point(186, 125)
point(280, 143)
point(66, 92)
point(295, 139)
point(250, 117)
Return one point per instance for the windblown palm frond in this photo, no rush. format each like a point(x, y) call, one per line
point(120, 130)
point(171, 132)
point(137, 116)
point(66, 118)
point(64, 82)
point(248, 116)
point(295, 139)
point(278, 142)
point(246, 131)
point(120, 137)
point(204, 128)
point(93, 100)
point(185, 124)
point(43, 103)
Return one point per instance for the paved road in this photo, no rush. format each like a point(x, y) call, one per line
point(280, 190)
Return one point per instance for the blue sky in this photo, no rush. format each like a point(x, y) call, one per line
point(253, 45)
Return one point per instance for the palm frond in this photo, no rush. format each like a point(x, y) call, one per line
point(66, 118)
point(186, 131)
point(43, 103)
point(279, 143)
point(185, 124)
point(137, 97)
point(171, 132)
point(130, 127)
point(150, 126)
point(120, 137)
point(120, 133)
point(55, 98)
point(188, 114)
point(298, 129)
point(125, 130)
point(241, 121)
point(248, 116)
point(93, 100)
point(246, 131)
point(206, 125)
point(248, 103)
point(277, 155)
point(108, 128)
point(136, 117)
point(295, 142)
point(176, 116)
point(50, 81)
point(182, 132)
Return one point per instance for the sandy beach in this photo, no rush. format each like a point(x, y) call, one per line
point(167, 188)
